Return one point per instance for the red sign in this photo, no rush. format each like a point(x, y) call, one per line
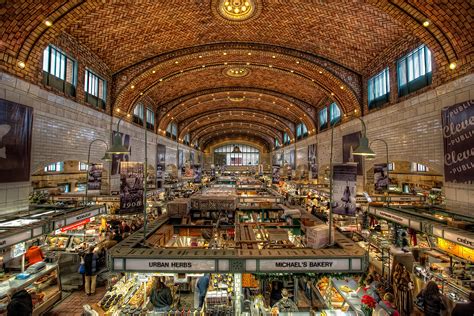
point(75, 225)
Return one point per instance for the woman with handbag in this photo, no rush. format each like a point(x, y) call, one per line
point(90, 270)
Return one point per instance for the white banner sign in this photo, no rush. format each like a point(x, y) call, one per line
point(304, 265)
point(82, 216)
point(393, 217)
point(12, 240)
point(160, 265)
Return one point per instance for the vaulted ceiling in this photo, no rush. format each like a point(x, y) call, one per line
point(221, 78)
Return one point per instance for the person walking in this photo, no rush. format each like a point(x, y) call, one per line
point(202, 285)
point(432, 300)
point(90, 267)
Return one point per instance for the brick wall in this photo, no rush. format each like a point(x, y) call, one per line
point(63, 130)
point(412, 129)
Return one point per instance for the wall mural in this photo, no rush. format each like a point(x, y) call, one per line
point(16, 123)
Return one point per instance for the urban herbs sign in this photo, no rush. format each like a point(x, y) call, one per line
point(458, 137)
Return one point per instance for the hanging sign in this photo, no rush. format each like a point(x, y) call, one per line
point(82, 216)
point(275, 174)
point(344, 189)
point(94, 176)
point(380, 177)
point(14, 239)
point(393, 217)
point(304, 265)
point(162, 265)
point(460, 239)
point(18, 250)
point(458, 138)
point(75, 225)
point(131, 187)
point(313, 161)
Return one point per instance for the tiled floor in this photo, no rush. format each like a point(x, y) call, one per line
point(72, 305)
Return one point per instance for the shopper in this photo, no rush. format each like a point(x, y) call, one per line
point(464, 309)
point(34, 254)
point(275, 294)
point(20, 303)
point(386, 307)
point(432, 300)
point(286, 304)
point(202, 285)
point(161, 297)
point(90, 267)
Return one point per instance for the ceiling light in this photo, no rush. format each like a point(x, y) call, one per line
point(225, 63)
point(297, 62)
point(270, 66)
point(320, 72)
point(176, 62)
point(291, 71)
point(342, 87)
point(203, 66)
point(48, 23)
point(118, 110)
point(273, 56)
point(248, 64)
point(426, 23)
point(141, 93)
point(200, 56)
point(452, 65)
point(249, 53)
point(224, 53)
point(332, 93)
point(153, 71)
point(355, 110)
point(161, 79)
point(21, 64)
point(132, 86)
point(128, 114)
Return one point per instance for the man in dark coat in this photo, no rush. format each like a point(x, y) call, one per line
point(20, 304)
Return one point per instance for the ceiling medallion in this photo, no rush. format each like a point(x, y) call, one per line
point(237, 10)
point(236, 72)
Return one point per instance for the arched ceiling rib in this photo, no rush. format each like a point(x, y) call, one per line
point(234, 127)
point(218, 118)
point(316, 49)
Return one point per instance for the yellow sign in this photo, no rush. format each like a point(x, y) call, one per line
point(455, 249)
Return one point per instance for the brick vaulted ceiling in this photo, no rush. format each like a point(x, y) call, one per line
point(297, 55)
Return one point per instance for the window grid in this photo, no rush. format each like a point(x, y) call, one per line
point(54, 167)
point(59, 70)
point(95, 88)
point(334, 113)
point(286, 139)
point(172, 131)
point(248, 156)
point(150, 118)
point(82, 166)
point(379, 89)
point(323, 118)
point(414, 70)
point(301, 131)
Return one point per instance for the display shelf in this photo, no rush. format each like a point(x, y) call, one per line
point(18, 285)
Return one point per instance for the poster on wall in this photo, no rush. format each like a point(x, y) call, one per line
point(381, 180)
point(349, 143)
point(116, 159)
point(458, 139)
point(160, 165)
point(313, 161)
point(16, 122)
point(131, 187)
point(292, 161)
point(197, 174)
point(94, 176)
point(275, 174)
point(181, 160)
point(344, 189)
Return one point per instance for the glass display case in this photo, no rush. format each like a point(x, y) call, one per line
point(44, 287)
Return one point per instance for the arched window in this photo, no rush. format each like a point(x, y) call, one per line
point(187, 139)
point(277, 143)
point(55, 167)
point(334, 116)
point(228, 155)
point(301, 131)
point(150, 119)
point(138, 113)
point(414, 71)
point(286, 139)
point(172, 131)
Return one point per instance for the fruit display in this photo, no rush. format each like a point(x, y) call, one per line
point(223, 281)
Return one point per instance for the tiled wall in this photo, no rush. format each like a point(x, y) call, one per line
point(63, 130)
point(412, 129)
